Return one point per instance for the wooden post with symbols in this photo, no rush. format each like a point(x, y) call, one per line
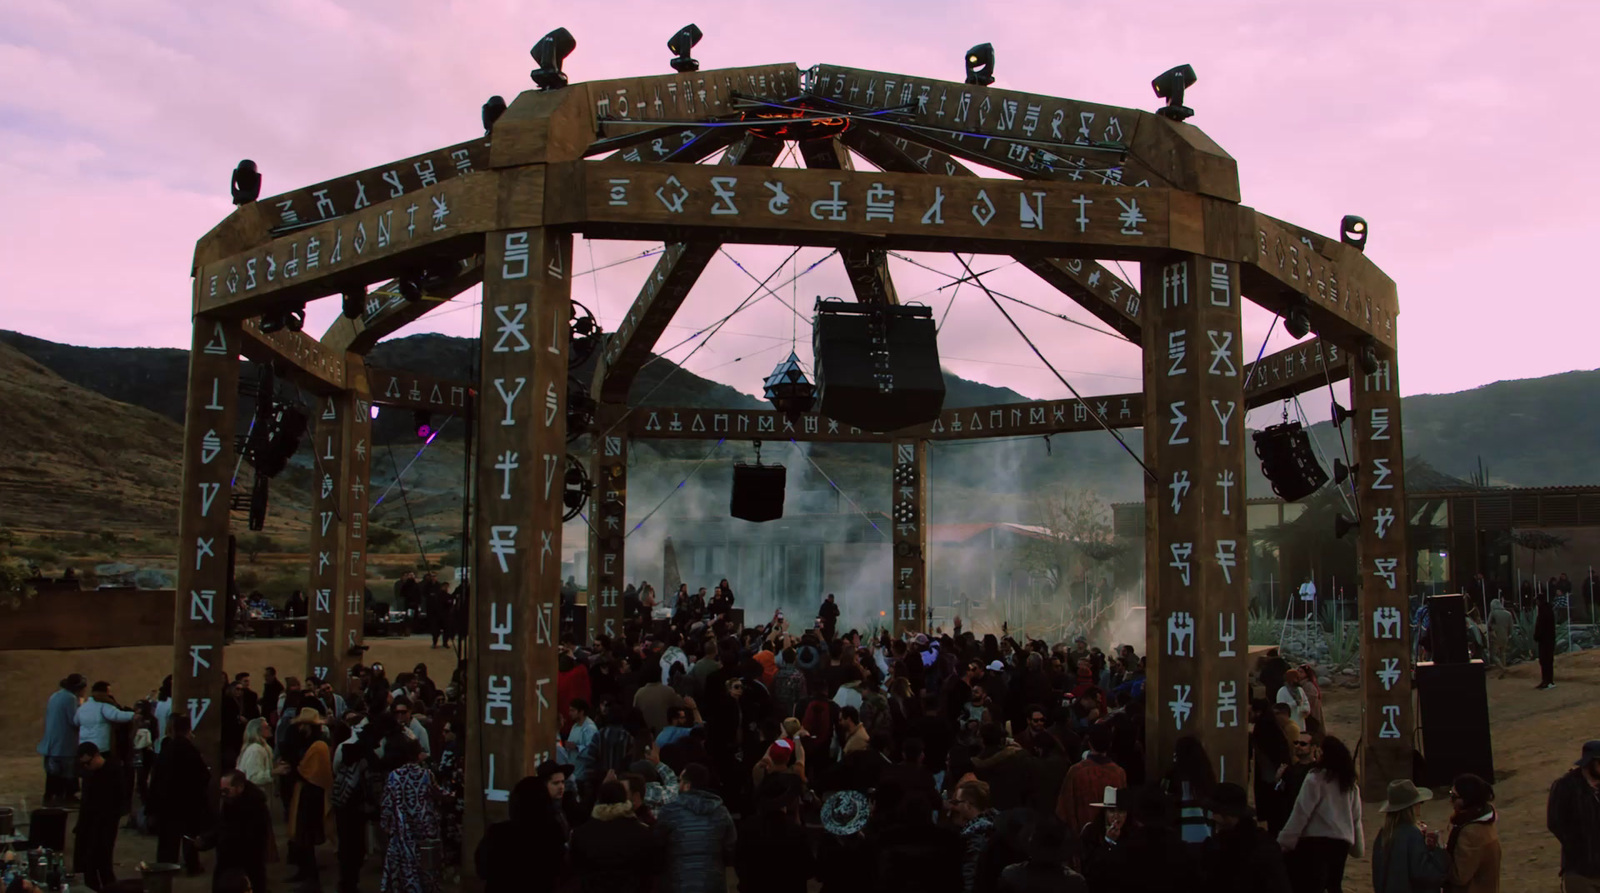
point(203, 529)
point(1387, 717)
point(910, 608)
point(350, 611)
point(330, 502)
point(608, 516)
point(511, 721)
point(1197, 542)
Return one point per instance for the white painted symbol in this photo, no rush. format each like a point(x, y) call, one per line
point(210, 446)
point(506, 464)
point(506, 398)
point(441, 210)
point(1177, 351)
point(510, 329)
point(1180, 635)
point(1380, 474)
point(1386, 569)
point(1379, 417)
point(1113, 131)
point(197, 711)
point(722, 192)
point(490, 792)
point(216, 396)
point(202, 548)
point(880, 203)
point(1390, 674)
point(327, 484)
point(1226, 558)
point(1179, 488)
point(983, 208)
point(1227, 634)
point(541, 625)
point(1381, 519)
point(197, 660)
point(515, 265)
point(1178, 420)
point(779, 203)
point(935, 212)
point(1225, 480)
point(1380, 380)
point(546, 547)
point(502, 542)
point(498, 698)
point(538, 690)
point(1223, 418)
point(323, 560)
point(618, 192)
point(1221, 353)
point(322, 639)
point(208, 494)
point(218, 345)
point(1180, 559)
point(1386, 623)
point(1130, 217)
point(1180, 705)
point(608, 595)
point(1221, 285)
point(1391, 722)
point(550, 460)
point(908, 610)
point(497, 629)
point(552, 404)
point(834, 208)
point(1227, 704)
point(1174, 285)
point(613, 445)
point(324, 600)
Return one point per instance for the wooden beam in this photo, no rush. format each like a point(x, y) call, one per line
point(1035, 136)
point(1347, 296)
point(675, 273)
point(349, 610)
point(433, 228)
point(331, 506)
point(867, 268)
point(608, 522)
point(386, 312)
point(408, 390)
point(1113, 301)
point(253, 224)
point(909, 606)
point(884, 210)
point(1302, 367)
point(311, 364)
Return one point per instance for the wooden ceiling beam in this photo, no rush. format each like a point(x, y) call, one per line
point(867, 268)
point(386, 312)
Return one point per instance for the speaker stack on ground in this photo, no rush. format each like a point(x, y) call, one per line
point(1453, 700)
point(877, 364)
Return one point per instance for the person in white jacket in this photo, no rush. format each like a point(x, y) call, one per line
point(96, 715)
point(255, 758)
point(1325, 827)
point(1293, 695)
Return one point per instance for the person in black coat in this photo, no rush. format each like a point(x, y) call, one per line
point(1240, 857)
point(178, 789)
point(1544, 635)
point(95, 837)
point(614, 851)
point(244, 827)
point(773, 854)
point(528, 851)
point(1045, 869)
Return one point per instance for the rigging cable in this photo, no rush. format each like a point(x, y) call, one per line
point(422, 555)
point(836, 488)
point(674, 490)
point(425, 444)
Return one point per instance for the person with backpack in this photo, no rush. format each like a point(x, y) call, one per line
point(353, 804)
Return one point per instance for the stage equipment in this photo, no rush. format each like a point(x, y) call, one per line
point(492, 110)
point(1170, 85)
point(576, 488)
point(581, 410)
point(1288, 462)
point(1369, 355)
point(258, 501)
point(758, 490)
point(285, 427)
point(1340, 414)
point(1297, 320)
point(1454, 721)
point(1342, 526)
point(1353, 232)
point(680, 44)
point(877, 364)
point(246, 186)
point(373, 411)
point(1447, 629)
point(789, 390)
point(584, 334)
point(980, 65)
point(291, 318)
point(1343, 472)
point(551, 50)
point(353, 304)
point(410, 289)
point(422, 420)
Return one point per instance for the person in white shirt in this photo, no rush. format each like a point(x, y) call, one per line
point(579, 737)
point(1295, 697)
point(1325, 827)
point(96, 715)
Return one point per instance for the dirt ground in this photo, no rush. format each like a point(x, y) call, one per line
point(1536, 736)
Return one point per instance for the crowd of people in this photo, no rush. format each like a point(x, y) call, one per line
point(694, 749)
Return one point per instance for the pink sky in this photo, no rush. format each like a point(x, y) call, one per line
point(1463, 131)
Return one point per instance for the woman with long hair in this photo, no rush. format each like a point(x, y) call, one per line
point(1406, 857)
point(1188, 785)
point(1474, 842)
point(409, 817)
point(1324, 828)
point(255, 758)
point(311, 810)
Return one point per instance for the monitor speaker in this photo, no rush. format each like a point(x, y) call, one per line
point(1454, 717)
point(47, 827)
point(877, 365)
point(758, 492)
point(1447, 629)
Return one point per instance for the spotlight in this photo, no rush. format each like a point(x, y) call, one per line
point(1342, 526)
point(246, 183)
point(1340, 415)
point(1170, 86)
point(576, 488)
point(293, 319)
point(549, 53)
point(410, 289)
point(1297, 322)
point(1287, 461)
point(1353, 232)
point(980, 65)
point(1343, 472)
point(354, 303)
point(373, 411)
point(423, 421)
point(680, 44)
point(492, 110)
point(1369, 355)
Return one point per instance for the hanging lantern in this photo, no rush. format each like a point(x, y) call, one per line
point(788, 388)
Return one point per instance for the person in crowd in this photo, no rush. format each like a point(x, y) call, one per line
point(96, 716)
point(243, 837)
point(1047, 868)
point(1240, 857)
point(311, 808)
point(1572, 814)
point(256, 759)
point(1294, 696)
point(699, 834)
point(1088, 780)
point(409, 817)
point(828, 618)
point(1324, 828)
point(1473, 844)
point(180, 795)
point(95, 838)
point(1406, 856)
point(614, 852)
point(973, 814)
point(1500, 625)
point(1544, 636)
point(1188, 783)
point(59, 746)
point(535, 833)
point(411, 724)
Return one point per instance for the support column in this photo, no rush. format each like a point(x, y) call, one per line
point(1387, 719)
point(350, 612)
point(608, 514)
point(1196, 544)
point(203, 526)
point(330, 500)
point(522, 424)
point(910, 608)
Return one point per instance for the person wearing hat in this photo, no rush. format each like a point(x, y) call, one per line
point(1096, 772)
point(1406, 857)
point(1240, 857)
point(1474, 841)
point(311, 809)
point(1046, 870)
point(1573, 816)
point(59, 746)
point(778, 760)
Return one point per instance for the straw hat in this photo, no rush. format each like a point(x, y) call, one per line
point(309, 716)
point(1404, 795)
point(845, 813)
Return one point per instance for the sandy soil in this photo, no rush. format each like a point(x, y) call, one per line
point(1536, 736)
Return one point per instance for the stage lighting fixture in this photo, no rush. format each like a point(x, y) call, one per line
point(576, 488)
point(285, 427)
point(1170, 86)
point(1297, 320)
point(789, 390)
point(1340, 414)
point(422, 420)
point(1342, 526)
point(411, 289)
point(1343, 472)
point(1368, 355)
point(1353, 232)
point(246, 185)
point(1288, 462)
point(980, 65)
point(373, 411)
point(492, 110)
point(549, 52)
point(292, 318)
point(680, 44)
point(354, 304)
point(258, 501)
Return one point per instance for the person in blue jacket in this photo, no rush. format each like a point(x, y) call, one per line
point(59, 746)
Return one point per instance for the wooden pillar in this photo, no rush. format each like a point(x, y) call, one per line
point(350, 611)
point(330, 501)
point(521, 465)
point(1196, 544)
point(608, 516)
point(1387, 718)
point(203, 527)
point(910, 607)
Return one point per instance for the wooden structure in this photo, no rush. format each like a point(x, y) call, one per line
point(1094, 182)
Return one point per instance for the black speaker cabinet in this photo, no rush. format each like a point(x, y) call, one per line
point(877, 365)
point(47, 827)
point(757, 492)
point(1454, 718)
point(1447, 629)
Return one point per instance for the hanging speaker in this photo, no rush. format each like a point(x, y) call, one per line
point(877, 365)
point(757, 492)
point(1288, 462)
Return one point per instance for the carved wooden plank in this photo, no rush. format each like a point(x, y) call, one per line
point(1303, 367)
point(331, 502)
point(349, 613)
point(608, 517)
point(408, 390)
point(434, 227)
point(669, 283)
point(1113, 301)
point(386, 312)
point(1348, 295)
point(910, 554)
point(621, 105)
point(314, 365)
point(914, 212)
point(253, 224)
point(668, 144)
point(867, 268)
point(1035, 136)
